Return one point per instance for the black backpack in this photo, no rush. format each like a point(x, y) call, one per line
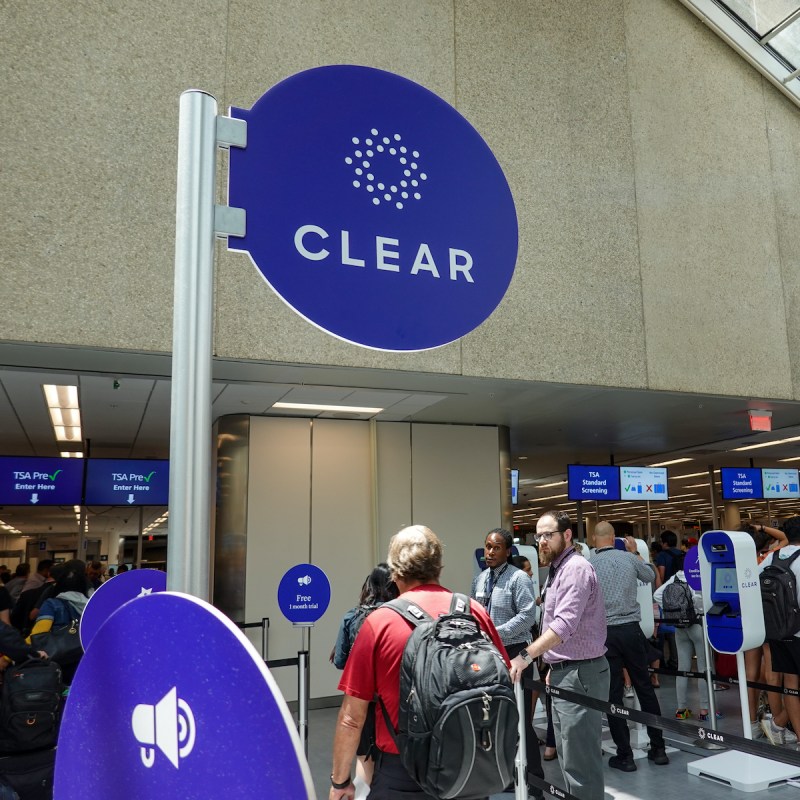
point(779, 598)
point(29, 706)
point(678, 604)
point(457, 727)
point(676, 563)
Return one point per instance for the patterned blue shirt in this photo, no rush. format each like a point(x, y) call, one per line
point(512, 606)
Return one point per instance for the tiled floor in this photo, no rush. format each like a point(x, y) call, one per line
point(671, 782)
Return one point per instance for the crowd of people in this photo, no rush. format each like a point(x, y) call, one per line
point(581, 634)
point(33, 602)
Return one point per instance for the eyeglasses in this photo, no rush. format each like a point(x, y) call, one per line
point(546, 535)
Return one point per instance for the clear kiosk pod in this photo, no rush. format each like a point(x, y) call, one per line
point(734, 623)
point(731, 593)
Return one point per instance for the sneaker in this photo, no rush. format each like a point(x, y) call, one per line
point(629, 691)
point(773, 732)
point(703, 717)
point(683, 713)
point(624, 764)
point(658, 755)
point(755, 730)
point(789, 737)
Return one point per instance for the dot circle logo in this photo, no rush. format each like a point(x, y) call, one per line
point(374, 209)
point(366, 160)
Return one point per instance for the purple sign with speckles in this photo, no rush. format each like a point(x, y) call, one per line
point(171, 700)
point(114, 593)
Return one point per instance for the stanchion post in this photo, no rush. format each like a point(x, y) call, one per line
point(747, 732)
point(521, 791)
point(712, 700)
point(265, 638)
point(302, 698)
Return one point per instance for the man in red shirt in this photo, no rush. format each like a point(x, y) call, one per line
point(373, 667)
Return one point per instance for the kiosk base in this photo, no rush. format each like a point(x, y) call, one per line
point(743, 771)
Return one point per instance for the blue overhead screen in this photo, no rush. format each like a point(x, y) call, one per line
point(128, 482)
point(26, 481)
point(592, 483)
point(741, 483)
point(514, 486)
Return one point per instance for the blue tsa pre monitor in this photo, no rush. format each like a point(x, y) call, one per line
point(41, 481)
point(514, 486)
point(741, 483)
point(592, 483)
point(128, 482)
point(780, 483)
point(644, 483)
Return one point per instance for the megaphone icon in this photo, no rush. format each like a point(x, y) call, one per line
point(304, 580)
point(169, 725)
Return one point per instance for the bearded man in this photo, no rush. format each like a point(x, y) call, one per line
point(572, 642)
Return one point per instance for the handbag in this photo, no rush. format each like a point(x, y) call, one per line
point(63, 643)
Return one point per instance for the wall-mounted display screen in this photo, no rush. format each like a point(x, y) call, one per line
point(643, 483)
point(514, 486)
point(127, 482)
point(780, 483)
point(592, 483)
point(27, 481)
point(741, 483)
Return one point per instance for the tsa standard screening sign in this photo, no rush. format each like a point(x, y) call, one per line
point(374, 209)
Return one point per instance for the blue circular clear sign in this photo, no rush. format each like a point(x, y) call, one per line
point(188, 709)
point(374, 209)
point(114, 593)
point(691, 568)
point(304, 594)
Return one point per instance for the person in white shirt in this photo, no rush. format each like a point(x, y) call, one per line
point(689, 642)
point(785, 653)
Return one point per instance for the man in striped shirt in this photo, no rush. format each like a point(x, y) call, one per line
point(507, 594)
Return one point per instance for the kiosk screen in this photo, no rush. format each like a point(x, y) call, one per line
point(725, 580)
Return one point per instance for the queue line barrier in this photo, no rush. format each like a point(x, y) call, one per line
point(733, 680)
point(690, 730)
point(303, 684)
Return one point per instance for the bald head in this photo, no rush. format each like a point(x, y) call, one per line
point(603, 533)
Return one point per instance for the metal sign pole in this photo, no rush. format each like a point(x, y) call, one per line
point(190, 423)
point(197, 221)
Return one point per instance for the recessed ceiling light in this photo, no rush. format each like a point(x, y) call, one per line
point(321, 407)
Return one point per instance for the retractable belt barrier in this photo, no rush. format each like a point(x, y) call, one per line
point(733, 680)
point(665, 723)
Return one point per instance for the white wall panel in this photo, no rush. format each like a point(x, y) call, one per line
point(341, 531)
point(456, 491)
point(394, 481)
point(277, 529)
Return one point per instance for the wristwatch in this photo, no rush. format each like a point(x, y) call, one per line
point(340, 785)
point(526, 656)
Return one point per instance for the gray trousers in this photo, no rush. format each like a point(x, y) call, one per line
point(579, 730)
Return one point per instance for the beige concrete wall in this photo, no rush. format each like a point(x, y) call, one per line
point(654, 172)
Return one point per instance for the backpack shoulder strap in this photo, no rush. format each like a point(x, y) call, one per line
point(459, 604)
point(409, 611)
point(787, 563)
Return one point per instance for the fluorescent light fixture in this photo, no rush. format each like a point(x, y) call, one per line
point(60, 396)
point(65, 415)
point(322, 407)
point(551, 497)
point(787, 460)
point(550, 485)
point(767, 444)
point(689, 475)
point(71, 454)
point(667, 463)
